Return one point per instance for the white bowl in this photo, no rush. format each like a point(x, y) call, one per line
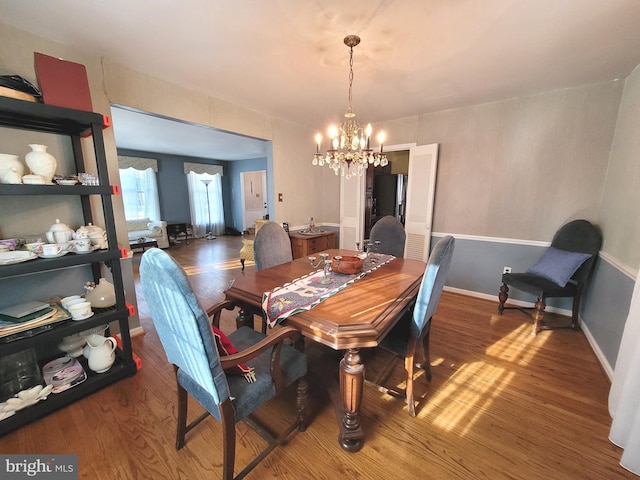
point(66, 302)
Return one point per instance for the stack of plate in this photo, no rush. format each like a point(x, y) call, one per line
point(63, 373)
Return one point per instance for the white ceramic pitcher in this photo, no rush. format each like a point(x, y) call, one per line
point(101, 352)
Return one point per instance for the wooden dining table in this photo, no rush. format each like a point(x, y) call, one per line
point(356, 317)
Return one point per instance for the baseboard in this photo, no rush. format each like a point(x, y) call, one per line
point(518, 303)
point(608, 369)
point(137, 331)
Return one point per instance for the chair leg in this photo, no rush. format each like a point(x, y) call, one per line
point(575, 309)
point(503, 296)
point(426, 358)
point(408, 366)
point(229, 439)
point(181, 427)
point(538, 316)
point(302, 403)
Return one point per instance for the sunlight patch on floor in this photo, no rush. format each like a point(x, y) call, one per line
point(230, 264)
point(517, 346)
point(462, 400)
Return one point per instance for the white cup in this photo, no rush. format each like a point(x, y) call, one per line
point(83, 244)
point(51, 249)
point(80, 311)
point(66, 302)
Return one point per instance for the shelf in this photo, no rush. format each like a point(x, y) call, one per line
point(53, 189)
point(37, 116)
point(76, 124)
point(38, 265)
point(95, 381)
point(55, 331)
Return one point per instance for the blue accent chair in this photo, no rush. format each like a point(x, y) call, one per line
point(185, 331)
point(413, 329)
point(577, 236)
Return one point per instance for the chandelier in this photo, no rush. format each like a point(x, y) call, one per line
point(350, 151)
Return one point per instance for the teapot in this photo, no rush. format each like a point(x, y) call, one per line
point(102, 295)
point(60, 233)
point(101, 352)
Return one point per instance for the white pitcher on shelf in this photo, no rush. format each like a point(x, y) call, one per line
point(101, 352)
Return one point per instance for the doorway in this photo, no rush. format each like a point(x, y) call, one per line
point(356, 204)
point(254, 199)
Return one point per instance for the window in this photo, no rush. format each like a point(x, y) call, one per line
point(139, 194)
point(206, 218)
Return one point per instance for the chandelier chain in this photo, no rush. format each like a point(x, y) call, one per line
point(350, 79)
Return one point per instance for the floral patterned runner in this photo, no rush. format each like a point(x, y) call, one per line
point(306, 292)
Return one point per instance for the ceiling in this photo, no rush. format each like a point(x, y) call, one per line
point(286, 58)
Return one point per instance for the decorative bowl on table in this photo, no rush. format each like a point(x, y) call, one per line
point(347, 264)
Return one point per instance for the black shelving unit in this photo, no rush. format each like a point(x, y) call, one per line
point(75, 124)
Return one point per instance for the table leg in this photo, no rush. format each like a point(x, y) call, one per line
point(351, 384)
point(244, 318)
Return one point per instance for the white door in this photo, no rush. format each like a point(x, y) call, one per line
point(254, 205)
point(351, 211)
point(421, 189)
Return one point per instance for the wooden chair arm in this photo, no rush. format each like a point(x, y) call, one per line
point(274, 341)
point(215, 311)
point(252, 352)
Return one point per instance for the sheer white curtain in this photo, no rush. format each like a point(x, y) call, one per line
point(198, 203)
point(624, 397)
point(140, 194)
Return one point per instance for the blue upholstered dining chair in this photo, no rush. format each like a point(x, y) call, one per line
point(272, 246)
point(391, 235)
point(562, 271)
point(186, 335)
point(413, 329)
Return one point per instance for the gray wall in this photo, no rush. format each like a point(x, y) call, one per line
point(172, 184)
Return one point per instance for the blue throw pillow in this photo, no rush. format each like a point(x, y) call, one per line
point(558, 265)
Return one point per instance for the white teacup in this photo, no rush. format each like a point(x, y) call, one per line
point(83, 244)
point(51, 249)
point(80, 311)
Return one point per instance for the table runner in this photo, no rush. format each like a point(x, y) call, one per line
point(306, 292)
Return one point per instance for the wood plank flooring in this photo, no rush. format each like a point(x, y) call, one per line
point(502, 405)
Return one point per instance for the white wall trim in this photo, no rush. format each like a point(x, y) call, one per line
point(400, 147)
point(608, 369)
point(478, 238)
point(627, 270)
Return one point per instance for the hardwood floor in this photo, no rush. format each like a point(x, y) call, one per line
point(502, 404)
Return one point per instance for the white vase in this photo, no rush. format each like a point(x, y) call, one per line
point(11, 168)
point(41, 162)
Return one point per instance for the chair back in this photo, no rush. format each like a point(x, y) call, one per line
point(272, 246)
point(391, 235)
point(181, 323)
point(432, 284)
point(579, 236)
